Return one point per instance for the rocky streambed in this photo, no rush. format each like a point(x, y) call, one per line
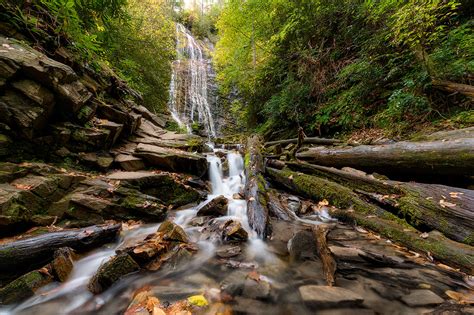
point(206, 259)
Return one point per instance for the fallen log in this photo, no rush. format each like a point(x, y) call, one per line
point(308, 140)
point(453, 87)
point(447, 209)
point(350, 207)
point(320, 233)
point(438, 157)
point(255, 188)
point(28, 254)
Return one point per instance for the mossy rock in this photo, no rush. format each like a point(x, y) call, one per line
point(24, 287)
point(112, 271)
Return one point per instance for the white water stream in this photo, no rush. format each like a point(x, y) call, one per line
point(189, 100)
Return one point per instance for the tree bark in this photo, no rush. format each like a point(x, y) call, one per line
point(439, 157)
point(309, 140)
point(427, 207)
point(255, 188)
point(28, 254)
point(352, 207)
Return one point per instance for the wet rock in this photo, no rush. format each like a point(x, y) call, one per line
point(24, 286)
point(329, 296)
point(162, 186)
point(259, 290)
point(294, 204)
point(419, 298)
point(238, 196)
point(228, 251)
point(234, 232)
point(129, 162)
point(109, 273)
point(302, 246)
point(169, 245)
point(172, 160)
point(173, 232)
point(62, 263)
point(215, 207)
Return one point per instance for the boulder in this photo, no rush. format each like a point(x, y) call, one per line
point(24, 286)
point(234, 232)
point(216, 207)
point(173, 160)
point(326, 296)
point(164, 187)
point(112, 271)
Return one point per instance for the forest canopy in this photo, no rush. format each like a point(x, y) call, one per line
point(340, 65)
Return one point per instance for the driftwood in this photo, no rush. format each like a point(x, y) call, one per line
point(320, 233)
point(255, 188)
point(309, 140)
point(353, 208)
point(28, 254)
point(427, 158)
point(443, 208)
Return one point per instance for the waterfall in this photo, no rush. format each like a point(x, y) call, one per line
point(190, 100)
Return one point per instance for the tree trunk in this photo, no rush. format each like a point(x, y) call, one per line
point(312, 140)
point(28, 254)
point(437, 157)
point(255, 188)
point(351, 206)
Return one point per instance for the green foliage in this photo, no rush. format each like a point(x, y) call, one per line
point(142, 49)
point(340, 65)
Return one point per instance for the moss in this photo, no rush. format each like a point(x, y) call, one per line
point(247, 159)
point(23, 287)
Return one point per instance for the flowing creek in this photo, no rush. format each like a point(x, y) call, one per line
point(262, 277)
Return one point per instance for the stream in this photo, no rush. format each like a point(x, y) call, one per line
point(257, 276)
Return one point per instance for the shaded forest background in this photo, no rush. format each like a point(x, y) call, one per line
point(332, 67)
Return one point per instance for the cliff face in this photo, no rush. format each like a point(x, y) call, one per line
point(66, 117)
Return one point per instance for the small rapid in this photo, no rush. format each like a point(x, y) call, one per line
point(74, 296)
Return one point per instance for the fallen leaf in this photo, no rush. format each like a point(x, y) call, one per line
point(198, 300)
point(323, 202)
point(424, 235)
point(254, 275)
point(463, 298)
point(455, 194)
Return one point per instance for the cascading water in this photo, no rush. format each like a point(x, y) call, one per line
point(191, 94)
